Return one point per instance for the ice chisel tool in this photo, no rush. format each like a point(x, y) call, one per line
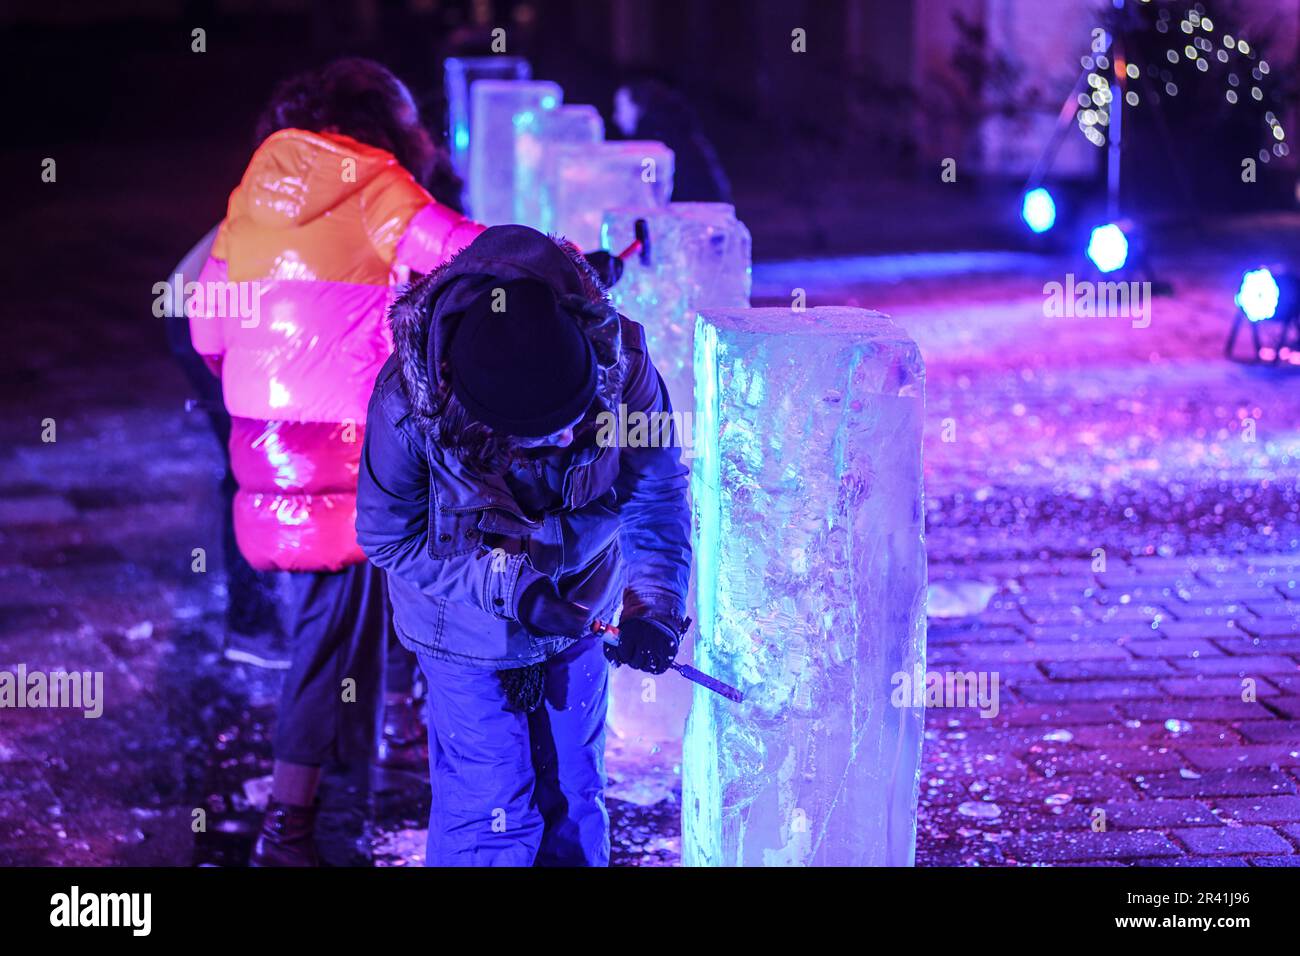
point(609, 634)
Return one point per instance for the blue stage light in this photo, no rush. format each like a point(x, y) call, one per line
point(1259, 295)
point(1108, 248)
point(1268, 293)
point(1038, 210)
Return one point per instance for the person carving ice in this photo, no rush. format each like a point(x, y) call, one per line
point(506, 530)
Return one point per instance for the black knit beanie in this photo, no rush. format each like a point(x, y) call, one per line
point(520, 364)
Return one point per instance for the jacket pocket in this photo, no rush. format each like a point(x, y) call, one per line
point(452, 533)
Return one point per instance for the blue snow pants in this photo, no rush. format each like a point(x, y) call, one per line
point(513, 789)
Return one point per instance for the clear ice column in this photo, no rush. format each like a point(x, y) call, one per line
point(585, 179)
point(699, 258)
point(807, 493)
point(458, 72)
point(496, 106)
point(536, 133)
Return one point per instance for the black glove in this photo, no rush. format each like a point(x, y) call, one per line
point(609, 268)
point(644, 644)
point(544, 613)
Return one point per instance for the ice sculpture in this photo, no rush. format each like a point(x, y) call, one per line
point(536, 132)
point(458, 72)
point(811, 568)
point(582, 180)
point(495, 106)
point(699, 258)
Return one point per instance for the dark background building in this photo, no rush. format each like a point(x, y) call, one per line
point(820, 144)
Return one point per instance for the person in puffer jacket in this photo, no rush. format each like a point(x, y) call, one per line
point(328, 220)
point(508, 522)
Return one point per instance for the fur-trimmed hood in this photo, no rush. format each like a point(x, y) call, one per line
point(425, 316)
point(620, 536)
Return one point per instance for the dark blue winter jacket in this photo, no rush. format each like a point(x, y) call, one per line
point(458, 546)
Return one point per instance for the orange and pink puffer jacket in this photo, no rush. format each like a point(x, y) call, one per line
point(316, 238)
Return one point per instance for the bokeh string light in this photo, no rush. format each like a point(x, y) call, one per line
point(1198, 51)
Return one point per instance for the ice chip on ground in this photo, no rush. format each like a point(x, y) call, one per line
point(585, 179)
point(959, 598)
point(807, 492)
point(403, 847)
point(496, 107)
point(700, 258)
point(257, 791)
point(536, 133)
point(642, 792)
point(458, 73)
point(980, 810)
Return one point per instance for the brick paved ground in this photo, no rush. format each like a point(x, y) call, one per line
point(1148, 714)
point(1120, 691)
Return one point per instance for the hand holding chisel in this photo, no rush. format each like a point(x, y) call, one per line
point(609, 634)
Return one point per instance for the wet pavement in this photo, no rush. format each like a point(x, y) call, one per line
point(1123, 505)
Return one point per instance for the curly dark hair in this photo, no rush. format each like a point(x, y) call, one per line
point(358, 98)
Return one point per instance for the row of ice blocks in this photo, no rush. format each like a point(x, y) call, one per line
point(807, 498)
point(535, 161)
point(495, 106)
point(810, 555)
point(582, 180)
point(458, 75)
point(537, 132)
point(699, 258)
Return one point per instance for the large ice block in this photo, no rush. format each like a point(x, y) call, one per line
point(458, 72)
point(536, 133)
point(699, 258)
point(582, 180)
point(496, 106)
point(811, 563)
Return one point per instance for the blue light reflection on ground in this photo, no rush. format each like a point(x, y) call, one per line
point(776, 279)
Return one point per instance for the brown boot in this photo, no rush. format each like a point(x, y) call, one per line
point(287, 837)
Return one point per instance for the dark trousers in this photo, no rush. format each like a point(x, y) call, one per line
point(512, 789)
point(340, 624)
